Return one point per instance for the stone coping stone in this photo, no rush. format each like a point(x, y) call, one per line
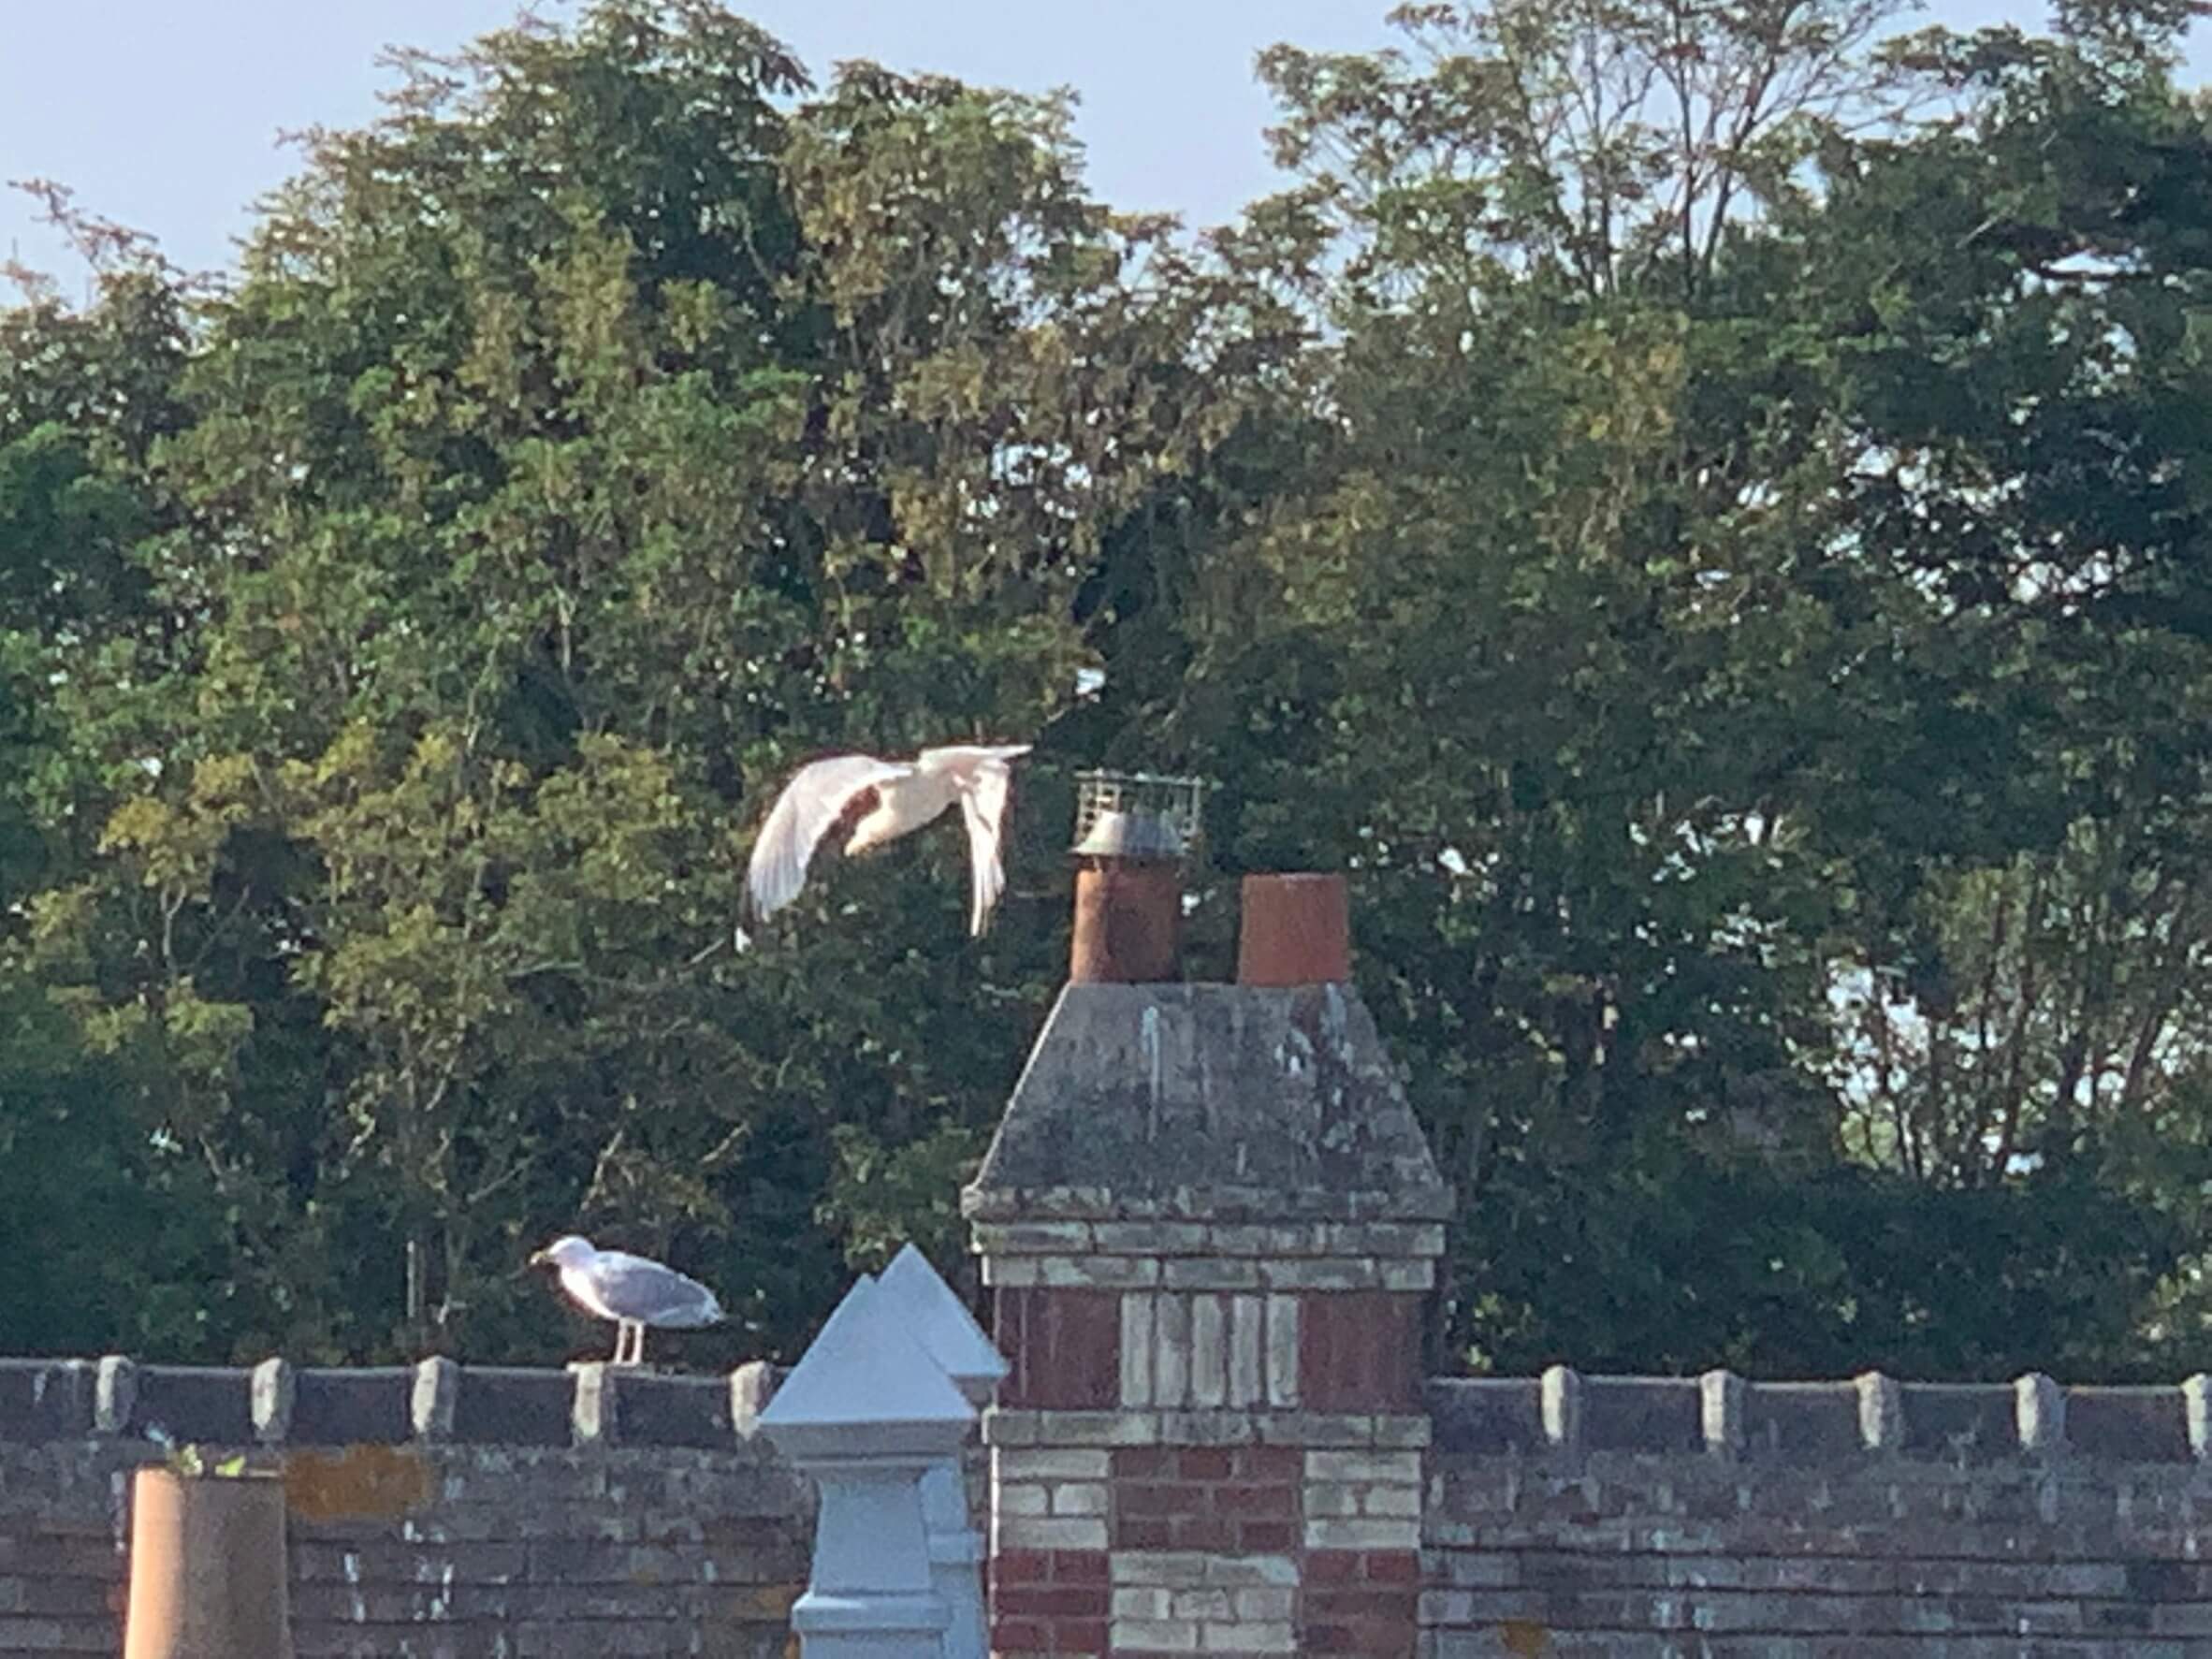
point(1487, 1414)
point(1802, 1421)
point(513, 1405)
point(46, 1399)
point(1654, 1414)
point(337, 1407)
point(670, 1410)
point(211, 1403)
point(1960, 1422)
point(2131, 1424)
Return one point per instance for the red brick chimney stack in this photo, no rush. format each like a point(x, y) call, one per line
point(1208, 1221)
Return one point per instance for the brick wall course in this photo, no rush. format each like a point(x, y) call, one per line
point(466, 1513)
point(492, 1550)
point(1718, 1518)
point(514, 1527)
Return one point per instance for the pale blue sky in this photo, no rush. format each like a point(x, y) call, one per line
point(165, 113)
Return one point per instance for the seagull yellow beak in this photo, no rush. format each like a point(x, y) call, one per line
point(539, 1259)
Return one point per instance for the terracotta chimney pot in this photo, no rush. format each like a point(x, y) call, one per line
point(1128, 922)
point(1297, 930)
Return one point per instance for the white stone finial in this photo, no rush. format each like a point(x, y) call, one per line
point(2039, 1407)
point(955, 1561)
point(868, 1413)
point(1559, 1403)
point(943, 1325)
point(2196, 1404)
point(865, 1387)
point(272, 1391)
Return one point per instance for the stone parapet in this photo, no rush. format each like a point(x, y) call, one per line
point(1621, 1517)
point(1563, 1414)
point(436, 1402)
point(529, 1542)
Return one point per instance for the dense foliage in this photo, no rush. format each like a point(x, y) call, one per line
point(1703, 508)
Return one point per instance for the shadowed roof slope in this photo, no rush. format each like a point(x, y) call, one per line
point(1160, 1101)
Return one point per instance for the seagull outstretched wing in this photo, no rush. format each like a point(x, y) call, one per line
point(813, 800)
point(982, 778)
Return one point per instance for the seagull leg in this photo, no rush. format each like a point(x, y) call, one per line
point(637, 1352)
point(622, 1335)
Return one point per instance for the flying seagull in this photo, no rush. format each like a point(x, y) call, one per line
point(630, 1290)
point(893, 798)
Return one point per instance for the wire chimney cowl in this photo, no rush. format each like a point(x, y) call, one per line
point(1133, 832)
point(1139, 816)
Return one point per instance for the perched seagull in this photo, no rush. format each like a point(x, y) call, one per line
point(630, 1290)
point(893, 798)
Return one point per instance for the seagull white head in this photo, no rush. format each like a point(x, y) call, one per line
point(566, 1251)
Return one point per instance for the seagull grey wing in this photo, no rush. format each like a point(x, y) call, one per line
point(634, 1287)
point(815, 798)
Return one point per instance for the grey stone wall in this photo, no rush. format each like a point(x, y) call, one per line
point(447, 1511)
point(1643, 1517)
point(439, 1513)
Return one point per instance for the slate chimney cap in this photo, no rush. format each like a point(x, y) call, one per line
point(1209, 1100)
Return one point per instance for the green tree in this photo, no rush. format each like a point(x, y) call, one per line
point(1596, 637)
point(582, 446)
point(1705, 504)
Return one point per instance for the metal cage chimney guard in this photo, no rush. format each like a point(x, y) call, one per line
point(1138, 815)
point(1134, 831)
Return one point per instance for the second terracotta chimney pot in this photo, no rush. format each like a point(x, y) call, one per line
point(1297, 930)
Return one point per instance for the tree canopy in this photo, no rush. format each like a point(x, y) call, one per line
point(1701, 509)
